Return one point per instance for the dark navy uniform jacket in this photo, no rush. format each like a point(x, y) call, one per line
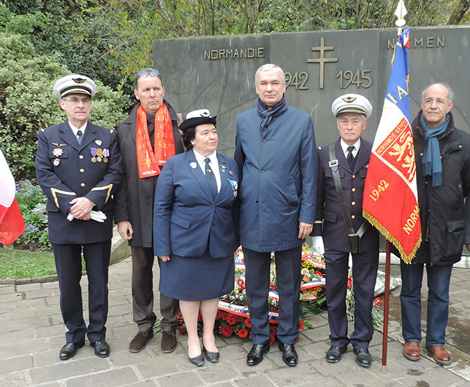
point(334, 230)
point(65, 171)
point(188, 221)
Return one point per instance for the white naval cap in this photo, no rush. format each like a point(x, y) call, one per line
point(74, 84)
point(352, 103)
point(197, 117)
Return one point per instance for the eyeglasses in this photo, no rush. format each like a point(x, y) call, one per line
point(148, 72)
point(439, 101)
point(76, 101)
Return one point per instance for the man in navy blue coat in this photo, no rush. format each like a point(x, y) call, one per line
point(277, 161)
point(78, 166)
point(351, 160)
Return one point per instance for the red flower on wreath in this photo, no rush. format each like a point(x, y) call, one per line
point(301, 325)
point(378, 301)
point(248, 322)
point(226, 330)
point(231, 319)
point(319, 274)
point(350, 284)
point(182, 330)
point(241, 284)
point(242, 333)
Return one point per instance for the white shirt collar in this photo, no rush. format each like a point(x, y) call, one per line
point(214, 163)
point(356, 146)
point(75, 130)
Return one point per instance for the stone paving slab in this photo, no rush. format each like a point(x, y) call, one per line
point(32, 333)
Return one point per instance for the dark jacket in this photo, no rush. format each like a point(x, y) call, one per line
point(278, 172)
point(187, 220)
point(65, 171)
point(135, 196)
point(333, 228)
point(442, 208)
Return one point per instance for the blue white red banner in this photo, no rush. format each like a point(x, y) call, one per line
point(390, 200)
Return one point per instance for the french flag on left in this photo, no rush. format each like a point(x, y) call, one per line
point(11, 221)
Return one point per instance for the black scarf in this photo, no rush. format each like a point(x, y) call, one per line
point(268, 114)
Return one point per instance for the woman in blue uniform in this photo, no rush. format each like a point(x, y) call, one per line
point(194, 230)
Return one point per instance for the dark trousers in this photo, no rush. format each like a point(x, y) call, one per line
point(69, 270)
point(288, 263)
point(364, 271)
point(142, 293)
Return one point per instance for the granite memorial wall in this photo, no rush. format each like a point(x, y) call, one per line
point(218, 72)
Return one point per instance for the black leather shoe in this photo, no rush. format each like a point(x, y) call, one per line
point(198, 361)
point(101, 348)
point(363, 357)
point(69, 350)
point(212, 357)
point(255, 356)
point(334, 354)
point(289, 354)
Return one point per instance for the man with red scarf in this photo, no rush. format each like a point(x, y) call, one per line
point(147, 138)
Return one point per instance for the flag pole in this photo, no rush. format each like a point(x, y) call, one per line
point(400, 13)
point(386, 307)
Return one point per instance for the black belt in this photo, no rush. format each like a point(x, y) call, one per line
point(354, 237)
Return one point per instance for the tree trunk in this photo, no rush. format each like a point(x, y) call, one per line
point(72, 5)
point(459, 12)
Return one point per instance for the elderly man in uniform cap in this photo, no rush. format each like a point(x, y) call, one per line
point(340, 229)
point(78, 166)
point(149, 133)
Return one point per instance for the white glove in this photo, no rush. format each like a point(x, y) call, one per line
point(98, 216)
point(318, 246)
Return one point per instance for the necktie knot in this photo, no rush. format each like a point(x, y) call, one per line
point(79, 136)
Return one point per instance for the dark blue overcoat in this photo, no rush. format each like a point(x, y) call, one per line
point(278, 171)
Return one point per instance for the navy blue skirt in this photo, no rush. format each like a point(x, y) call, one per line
point(197, 278)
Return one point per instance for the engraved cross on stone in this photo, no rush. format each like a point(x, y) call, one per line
point(322, 60)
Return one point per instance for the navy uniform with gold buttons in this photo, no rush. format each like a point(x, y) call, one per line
point(78, 166)
point(330, 230)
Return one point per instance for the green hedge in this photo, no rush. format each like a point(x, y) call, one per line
point(27, 103)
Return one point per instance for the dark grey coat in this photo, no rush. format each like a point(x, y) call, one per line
point(135, 196)
point(441, 208)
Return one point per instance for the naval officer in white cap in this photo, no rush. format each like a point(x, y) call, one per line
point(78, 166)
point(340, 229)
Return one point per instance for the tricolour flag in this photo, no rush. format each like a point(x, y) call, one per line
point(390, 195)
point(11, 221)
